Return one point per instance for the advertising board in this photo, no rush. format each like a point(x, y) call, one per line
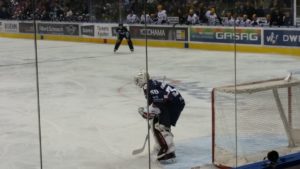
point(225, 35)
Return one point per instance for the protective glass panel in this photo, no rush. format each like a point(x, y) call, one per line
point(19, 136)
point(193, 52)
point(265, 115)
point(221, 69)
point(265, 51)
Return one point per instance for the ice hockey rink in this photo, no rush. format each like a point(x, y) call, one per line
point(89, 103)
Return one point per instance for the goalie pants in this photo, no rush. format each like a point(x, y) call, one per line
point(170, 114)
point(162, 128)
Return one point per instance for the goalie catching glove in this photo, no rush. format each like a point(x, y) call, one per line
point(153, 111)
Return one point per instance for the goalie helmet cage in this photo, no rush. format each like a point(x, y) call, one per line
point(267, 118)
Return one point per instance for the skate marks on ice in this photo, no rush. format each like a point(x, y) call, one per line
point(190, 153)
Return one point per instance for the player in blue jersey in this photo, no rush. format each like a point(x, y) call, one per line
point(122, 32)
point(165, 107)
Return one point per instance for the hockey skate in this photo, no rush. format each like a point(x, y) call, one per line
point(167, 158)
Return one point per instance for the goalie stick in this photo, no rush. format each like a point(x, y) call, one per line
point(139, 150)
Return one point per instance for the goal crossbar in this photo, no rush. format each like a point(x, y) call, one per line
point(254, 87)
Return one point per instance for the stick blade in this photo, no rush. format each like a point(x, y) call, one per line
point(137, 151)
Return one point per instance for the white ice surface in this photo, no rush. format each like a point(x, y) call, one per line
point(89, 103)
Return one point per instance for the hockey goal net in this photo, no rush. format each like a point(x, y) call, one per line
point(251, 119)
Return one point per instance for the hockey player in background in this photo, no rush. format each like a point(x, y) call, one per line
point(122, 32)
point(165, 107)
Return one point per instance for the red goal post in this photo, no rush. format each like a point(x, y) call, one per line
point(248, 115)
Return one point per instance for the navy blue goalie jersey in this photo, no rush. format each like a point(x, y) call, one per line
point(162, 94)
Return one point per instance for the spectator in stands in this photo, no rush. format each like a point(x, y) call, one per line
point(245, 22)
point(248, 9)
point(200, 11)
point(68, 13)
point(268, 21)
point(230, 20)
point(287, 19)
point(181, 16)
point(105, 10)
point(211, 16)
point(136, 6)
point(255, 21)
point(277, 17)
point(4, 14)
point(274, 4)
point(132, 18)
point(146, 19)
point(238, 8)
point(192, 18)
point(161, 16)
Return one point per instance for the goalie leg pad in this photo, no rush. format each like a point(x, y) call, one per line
point(164, 138)
point(156, 146)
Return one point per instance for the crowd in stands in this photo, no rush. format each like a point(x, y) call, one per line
point(240, 13)
point(48, 10)
point(190, 12)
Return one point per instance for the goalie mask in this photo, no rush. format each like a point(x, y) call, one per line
point(141, 79)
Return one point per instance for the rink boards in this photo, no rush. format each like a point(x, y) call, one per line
point(291, 161)
point(247, 39)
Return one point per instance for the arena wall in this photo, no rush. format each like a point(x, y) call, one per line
point(253, 40)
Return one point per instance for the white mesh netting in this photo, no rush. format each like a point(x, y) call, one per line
point(256, 127)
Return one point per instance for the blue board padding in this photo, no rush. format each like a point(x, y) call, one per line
point(284, 162)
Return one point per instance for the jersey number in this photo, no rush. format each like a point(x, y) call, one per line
point(171, 90)
point(154, 92)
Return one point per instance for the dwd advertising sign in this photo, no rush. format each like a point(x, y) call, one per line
point(159, 33)
point(226, 35)
point(282, 37)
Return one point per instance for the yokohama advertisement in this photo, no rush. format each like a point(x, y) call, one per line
point(159, 33)
point(226, 35)
point(282, 37)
